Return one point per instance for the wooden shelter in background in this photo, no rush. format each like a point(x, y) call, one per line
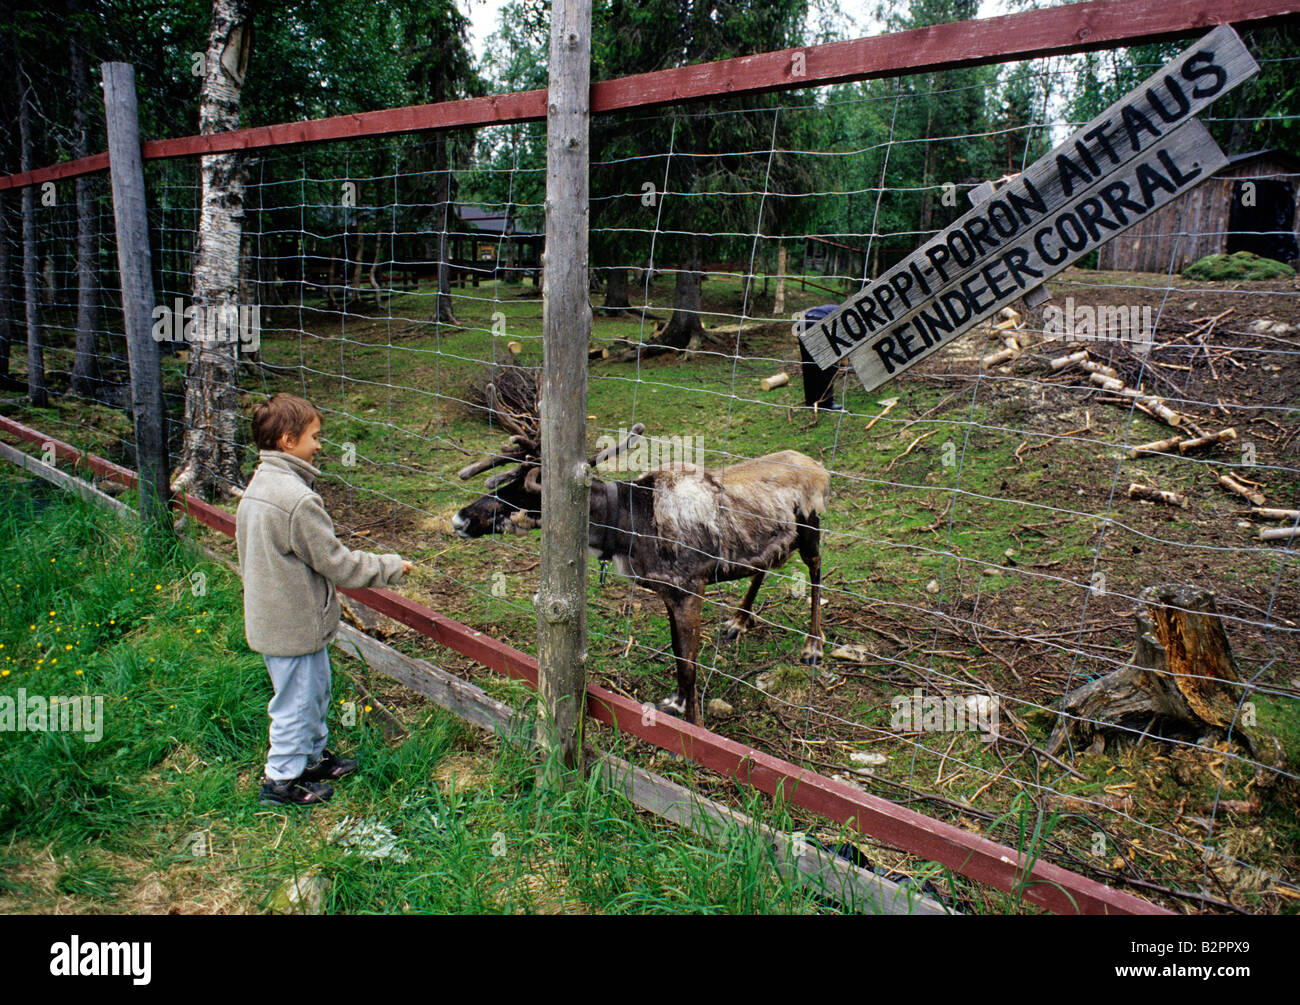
point(489, 241)
point(1213, 218)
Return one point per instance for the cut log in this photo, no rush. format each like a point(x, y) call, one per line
point(1157, 447)
point(1277, 514)
point(1182, 683)
point(1101, 368)
point(1061, 362)
point(1232, 485)
point(1204, 441)
point(775, 381)
point(1136, 491)
point(1278, 533)
point(1105, 381)
point(1154, 405)
point(998, 358)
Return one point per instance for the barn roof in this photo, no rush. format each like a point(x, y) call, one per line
point(490, 221)
point(1273, 153)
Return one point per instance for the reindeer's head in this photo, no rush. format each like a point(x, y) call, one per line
point(514, 499)
point(513, 503)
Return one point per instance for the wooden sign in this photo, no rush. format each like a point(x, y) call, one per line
point(1137, 156)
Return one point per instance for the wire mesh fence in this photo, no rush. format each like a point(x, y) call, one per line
point(997, 515)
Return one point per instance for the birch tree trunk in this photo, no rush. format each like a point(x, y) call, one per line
point(778, 305)
point(444, 312)
point(6, 301)
point(250, 288)
point(36, 392)
point(85, 367)
point(209, 459)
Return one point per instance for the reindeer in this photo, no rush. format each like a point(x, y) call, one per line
point(676, 528)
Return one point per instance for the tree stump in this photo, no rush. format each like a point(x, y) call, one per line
point(1181, 683)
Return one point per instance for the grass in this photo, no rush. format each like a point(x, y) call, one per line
point(961, 551)
point(161, 814)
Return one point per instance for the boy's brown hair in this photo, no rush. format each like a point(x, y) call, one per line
point(282, 413)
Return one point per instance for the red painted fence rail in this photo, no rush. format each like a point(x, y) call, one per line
point(999, 866)
point(1072, 28)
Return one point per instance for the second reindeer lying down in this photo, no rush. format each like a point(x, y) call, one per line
point(677, 529)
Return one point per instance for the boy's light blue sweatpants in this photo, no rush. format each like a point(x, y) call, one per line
point(298, 710)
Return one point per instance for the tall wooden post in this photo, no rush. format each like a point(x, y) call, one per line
point(127, 172)
point(566, 331)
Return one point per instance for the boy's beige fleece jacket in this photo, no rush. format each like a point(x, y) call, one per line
point(291, 561)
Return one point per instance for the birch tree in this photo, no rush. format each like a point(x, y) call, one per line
point(85, 367)
point(209, 461)
point(36, 391)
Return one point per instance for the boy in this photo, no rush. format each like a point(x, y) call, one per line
point(291, 562)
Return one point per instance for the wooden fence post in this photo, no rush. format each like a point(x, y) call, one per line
point(126, 170)
point(566, 330)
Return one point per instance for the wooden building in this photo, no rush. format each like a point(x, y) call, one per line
point(491, 241)
point(1221, 215)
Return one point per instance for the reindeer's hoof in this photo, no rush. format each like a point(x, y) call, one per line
point(732, 631)
point(812, 655)
point(674, 703)
point(677, 706)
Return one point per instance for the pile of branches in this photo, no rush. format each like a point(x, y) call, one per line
point(1117, 382)
point(508, 395)
point(508, 390)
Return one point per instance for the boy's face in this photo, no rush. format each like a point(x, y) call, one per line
point(306, 446)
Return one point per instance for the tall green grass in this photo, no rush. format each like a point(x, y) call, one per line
point(168, 796)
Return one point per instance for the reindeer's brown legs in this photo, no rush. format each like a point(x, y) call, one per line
point(809, 541)
point(740, 620)
point(684, 618)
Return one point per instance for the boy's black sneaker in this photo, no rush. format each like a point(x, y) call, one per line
point(329, 768)
point(300, 791)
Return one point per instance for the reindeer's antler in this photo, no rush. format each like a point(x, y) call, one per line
point(518, 448)
point(511, 399)
point(523, 422)
point(478, 467)
point(627, 442)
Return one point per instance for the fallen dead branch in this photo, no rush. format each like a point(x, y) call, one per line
point(910, 448)
point(1234, 485)
point(1025, 447)
point(888, 403)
